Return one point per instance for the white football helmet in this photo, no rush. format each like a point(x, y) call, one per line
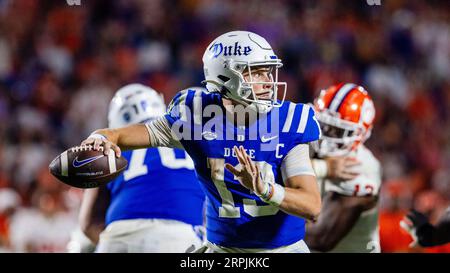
point(229, 55)
point(135, 103)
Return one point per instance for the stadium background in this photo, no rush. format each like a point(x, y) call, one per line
point(60, 65)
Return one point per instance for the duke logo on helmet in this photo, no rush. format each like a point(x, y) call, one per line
point(236, 50)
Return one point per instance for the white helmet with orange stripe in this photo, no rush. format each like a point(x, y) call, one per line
point(346, 114)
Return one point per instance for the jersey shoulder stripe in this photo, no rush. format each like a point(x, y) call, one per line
point(197, 105)
point(300, 122)
point(181, 106)
point(303, 119)
point(289, 117)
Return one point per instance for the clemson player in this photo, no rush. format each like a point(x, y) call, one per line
point(348, 174)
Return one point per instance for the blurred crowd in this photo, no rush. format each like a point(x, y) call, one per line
point(60, 65)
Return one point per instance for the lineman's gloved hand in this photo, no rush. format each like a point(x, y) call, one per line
point(418, 226)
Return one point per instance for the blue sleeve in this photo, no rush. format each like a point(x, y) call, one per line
point(312, 130)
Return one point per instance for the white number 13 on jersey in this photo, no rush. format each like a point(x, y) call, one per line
point(228, 209)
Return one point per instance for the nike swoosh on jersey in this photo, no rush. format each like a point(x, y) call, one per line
point(83, 162)
point(266, 139)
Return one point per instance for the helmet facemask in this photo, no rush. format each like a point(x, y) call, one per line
point(339, 137)
point(242, 91)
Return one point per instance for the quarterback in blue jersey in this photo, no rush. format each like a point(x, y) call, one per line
point(250, 149)
point(156, 203)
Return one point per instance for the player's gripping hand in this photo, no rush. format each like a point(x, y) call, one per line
point(249, 174)
point(98, 140)
point(413, 223)
point(342, 167)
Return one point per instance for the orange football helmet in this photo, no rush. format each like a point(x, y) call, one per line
point(346, 113)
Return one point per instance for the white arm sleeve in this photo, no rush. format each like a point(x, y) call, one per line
point(160, 134)
point(297, 162)
point(320, 168)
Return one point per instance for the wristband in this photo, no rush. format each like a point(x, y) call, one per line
point(273, 194)
point(277, 196)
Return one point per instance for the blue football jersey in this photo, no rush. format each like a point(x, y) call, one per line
point(236, 217)
point(158, 183)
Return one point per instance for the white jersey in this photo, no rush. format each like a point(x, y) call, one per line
point(364, 236)
point(32, 231)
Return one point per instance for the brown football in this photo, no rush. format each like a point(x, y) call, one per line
point(83, 167)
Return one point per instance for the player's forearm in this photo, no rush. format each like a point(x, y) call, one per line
point(92, 212)
point(131, 137)
point(301, 203)
point(337, 218)
point(302, 197)
point(319, 235)
point(92, 232)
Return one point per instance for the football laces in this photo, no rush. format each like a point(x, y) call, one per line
point(84, 148)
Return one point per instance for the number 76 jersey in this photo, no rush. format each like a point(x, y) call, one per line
point(150, 188)
point(235, 216)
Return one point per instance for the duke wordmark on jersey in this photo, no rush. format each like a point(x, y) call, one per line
point(251, 152)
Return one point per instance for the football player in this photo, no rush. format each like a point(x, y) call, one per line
point(425, 234)
point(156, 204)
point(250, 150)
point(349, 175)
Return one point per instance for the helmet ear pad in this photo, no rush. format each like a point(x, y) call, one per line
point(245, 91)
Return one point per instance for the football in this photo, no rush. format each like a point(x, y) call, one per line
point(84, 167)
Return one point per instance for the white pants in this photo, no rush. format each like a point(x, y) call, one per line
point(298, 247)
point(148, 235)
